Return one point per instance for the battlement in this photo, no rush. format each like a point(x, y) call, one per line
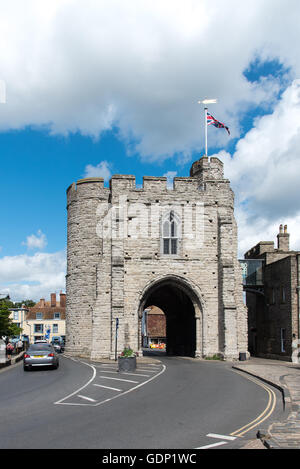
point(121, 182)
point(202, 170)
point(86, 188)
point(207, 169)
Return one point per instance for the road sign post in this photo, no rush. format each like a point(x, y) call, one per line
point(116, 338)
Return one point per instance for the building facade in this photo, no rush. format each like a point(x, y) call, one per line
point(155, 326)
point(175, 248)
point(46, 319)
point(274, 310)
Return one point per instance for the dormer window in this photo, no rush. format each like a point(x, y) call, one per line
point(170, 234)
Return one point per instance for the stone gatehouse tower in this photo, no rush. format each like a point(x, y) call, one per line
point(131, 247)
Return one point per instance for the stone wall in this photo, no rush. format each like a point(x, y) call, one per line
point(115, 253)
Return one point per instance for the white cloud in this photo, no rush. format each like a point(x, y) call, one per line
point(32, 277)
point(140, 66)
point(264, 173)
point(100, 170)
point(36, 242)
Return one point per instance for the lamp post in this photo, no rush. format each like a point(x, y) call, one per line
point(30, 331)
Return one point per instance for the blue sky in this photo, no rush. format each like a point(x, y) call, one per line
point(120, 96)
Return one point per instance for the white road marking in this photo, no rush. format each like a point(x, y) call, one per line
point(123, 373)
point(119, 379)
point(61, 401)
point(107, 387)
point(213, 445)
point(148, 371)
point(221, 437)
point(86, 398)
point(80, 389)
point(136, 374)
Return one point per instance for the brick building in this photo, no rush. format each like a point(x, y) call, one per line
point(131, 247)
point(155, 326)
point(273, 311)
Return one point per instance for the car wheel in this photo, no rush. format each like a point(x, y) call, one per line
point(25, 368)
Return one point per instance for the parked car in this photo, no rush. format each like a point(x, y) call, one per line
point(58, 344)
point(40, 354)
point(57, 347)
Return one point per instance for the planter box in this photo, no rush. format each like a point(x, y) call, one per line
point(126, 363)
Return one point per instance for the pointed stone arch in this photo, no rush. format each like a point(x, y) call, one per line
point(173, 291)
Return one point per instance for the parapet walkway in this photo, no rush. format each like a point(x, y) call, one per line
point(286, 377)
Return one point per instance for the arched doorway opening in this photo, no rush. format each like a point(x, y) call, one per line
point(179, 304)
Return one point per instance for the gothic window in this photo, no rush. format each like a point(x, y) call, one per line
point(170, 234)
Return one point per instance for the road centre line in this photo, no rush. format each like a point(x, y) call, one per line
point(108, 387)
point(264, 415)
point(118, 379)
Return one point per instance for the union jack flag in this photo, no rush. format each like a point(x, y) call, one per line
point(212, 121)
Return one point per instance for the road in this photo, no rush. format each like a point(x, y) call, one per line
point(180, 403)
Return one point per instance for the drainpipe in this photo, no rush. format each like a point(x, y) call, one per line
point(298, 292)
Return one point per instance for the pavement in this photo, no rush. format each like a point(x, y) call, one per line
point(285, 376)
point(14, 359)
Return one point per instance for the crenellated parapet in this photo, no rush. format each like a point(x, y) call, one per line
point(207, 169)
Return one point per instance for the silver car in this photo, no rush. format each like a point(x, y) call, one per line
point(40, 355)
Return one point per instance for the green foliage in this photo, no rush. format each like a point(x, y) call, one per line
point(26, 303)
point(7, 327)
point(214, 357)
point(5, 321)
point(128, 352)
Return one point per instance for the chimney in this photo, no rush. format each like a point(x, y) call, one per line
point(62, 300)
point(53, 300)
point(42, 302)
point(283, 239)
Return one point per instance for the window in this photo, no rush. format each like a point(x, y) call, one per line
point(39, 316)
point(39, 328)
point(282, 339)
point(282, 295)
point(170, 234)
point(272, 296)
point(55, 328)
point(16, 315)
point(56, 315)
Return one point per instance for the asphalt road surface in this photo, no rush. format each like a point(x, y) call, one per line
point(177, 403)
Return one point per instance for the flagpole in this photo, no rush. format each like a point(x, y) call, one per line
point(206, 101)
point(205, 129)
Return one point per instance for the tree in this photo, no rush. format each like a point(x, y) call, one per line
point(26, 303)
point(7, 327)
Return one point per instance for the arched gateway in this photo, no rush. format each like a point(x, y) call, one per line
point(181, 305)
point(130, 247)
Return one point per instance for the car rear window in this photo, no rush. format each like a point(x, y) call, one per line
point(39, 347)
